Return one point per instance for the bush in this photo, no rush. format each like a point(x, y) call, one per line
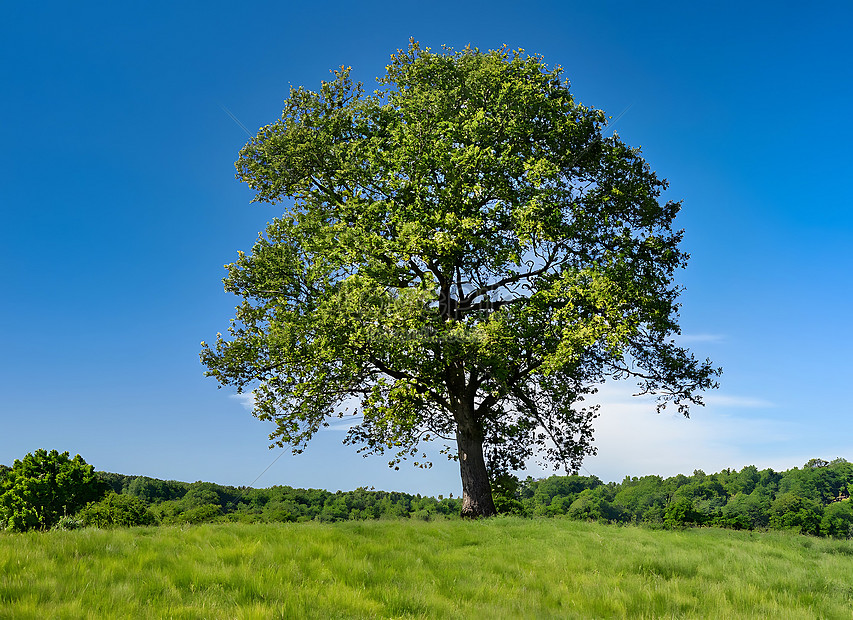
point(508, 506)
point(67, 523)
point(199, 514)
point(745, 512)
point(505, 495)
point(790, 511)
point(116, 511)
point(838, 520)
point(681, 512)
point(591, 506)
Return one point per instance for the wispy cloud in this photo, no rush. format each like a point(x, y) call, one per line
point(740, 402)
point(345, 423)
point(632, 439)
point(246, 399)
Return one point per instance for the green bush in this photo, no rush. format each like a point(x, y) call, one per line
point(199, 514)
point(790, 511)
point(505, 495)
point(745, 512)
point(67, 523)
point(590, 505)
point(116, 511)
point(508, 506)
point(681, 512)
point(838, 520)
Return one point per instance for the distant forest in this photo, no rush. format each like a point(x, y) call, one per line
point(813, 500)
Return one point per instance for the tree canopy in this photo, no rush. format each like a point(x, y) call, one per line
point(43, 487)
point(464, 254)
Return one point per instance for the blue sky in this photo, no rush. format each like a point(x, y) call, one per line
point(120, 207)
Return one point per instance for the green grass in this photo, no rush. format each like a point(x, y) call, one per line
point(502, 568)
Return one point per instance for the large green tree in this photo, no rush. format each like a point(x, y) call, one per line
point(464, 254)
point(44, 486)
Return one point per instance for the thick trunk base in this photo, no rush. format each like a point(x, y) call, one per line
point(476, 491)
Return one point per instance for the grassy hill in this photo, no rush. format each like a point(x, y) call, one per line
point(502, 568)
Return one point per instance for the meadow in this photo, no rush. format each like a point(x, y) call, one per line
point(500, 568)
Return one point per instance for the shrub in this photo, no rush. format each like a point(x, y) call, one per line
point(681, 512)
point(790, 511)
point(591, 506)
point(199, 514)
point(745, 512)
point(838, 520)
point(68, 523)
point(116, 511)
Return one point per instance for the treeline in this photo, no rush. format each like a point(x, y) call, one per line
point(812, 500)
point(172, 502)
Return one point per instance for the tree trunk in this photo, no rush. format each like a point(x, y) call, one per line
point(476, 491)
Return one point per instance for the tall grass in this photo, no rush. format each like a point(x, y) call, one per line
point(502, 568)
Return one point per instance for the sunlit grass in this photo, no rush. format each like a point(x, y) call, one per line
point(503, 568)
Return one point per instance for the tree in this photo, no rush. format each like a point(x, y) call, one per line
point(116, 510)
point(466, 256)
point(746, 511)
point(644, 497)
point(792, 511)
point(591, 505)
point(681, 512)
point(45, 486)
point(837, 520)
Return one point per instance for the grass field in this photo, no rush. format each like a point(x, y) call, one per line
point(502, 568)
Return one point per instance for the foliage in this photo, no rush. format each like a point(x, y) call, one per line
point(644, 497)
point(116, 510)
point(747, 512)
point(466, 256)
point(505, 494)
point(152, 490)
point(682, 512)
point(719, 499)
point(792, 511)
point(554, 495)
point(67, 523)
point(590, 505)
point(837, 520)
point(43, 487)
point(205, 502)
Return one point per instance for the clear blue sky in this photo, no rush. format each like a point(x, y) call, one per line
point(120, 207)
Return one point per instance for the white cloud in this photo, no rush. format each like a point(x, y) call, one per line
point(632, 439)
point(345, 423)
point(246, 399)
point(731, 431)
point(742, 402)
